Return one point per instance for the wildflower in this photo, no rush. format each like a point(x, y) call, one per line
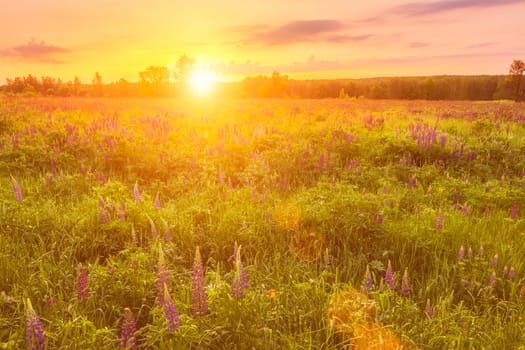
point(481, 250)
point(470, 254)
point(505, 270)
point(272, 293)
point(512, 273)
point(162, 277)
point(35, 336)
point(240, 279)
point(17, 189)
point(389, 276)
point(405, 287)
point(368, 282)
point(103, 216)
point(492, 279)
point(428, 310)
point(199, 306)
point(461, 253)
point(514, 211)
point(127, 330)
point(439, 221)
point(170, 311)
point(82, 285)
point(494, 262)
point(136, 193)
point(156, 202)
point(122, 211)
point(466, 283)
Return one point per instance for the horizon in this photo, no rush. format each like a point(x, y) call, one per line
point(304, 41)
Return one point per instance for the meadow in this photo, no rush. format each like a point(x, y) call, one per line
point(261, 224)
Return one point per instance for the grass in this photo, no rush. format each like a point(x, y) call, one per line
point(313, 192)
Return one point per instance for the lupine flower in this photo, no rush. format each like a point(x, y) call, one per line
point(492, 279)
point(122, 212)
point(167, 232)
point(82, 285)
point(327, 259)
point(481, 250)
point(389, 277)
point(512, 273)
point(439, 221)
point(170, 311)
point(35, 336)
point(17, 189)
point(470, 253)
point(428, 310)
point(461, 253)
point(368, 282)
point(104, 219)
point(240, 278)
point(505, 271)
point(405, 286)
point(162, 277)
point(494, 262)
point(514, 211)
point(136, 193)
point(198, 287)
point(156, 202)
point(127, 330)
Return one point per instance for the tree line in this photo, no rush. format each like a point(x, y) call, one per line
point(159, 81)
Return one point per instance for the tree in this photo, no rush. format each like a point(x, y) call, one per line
point(516, 72)
point(184, 66)
point(97, 85)
point(154, 80)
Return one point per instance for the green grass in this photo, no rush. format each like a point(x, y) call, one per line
point(273, 176)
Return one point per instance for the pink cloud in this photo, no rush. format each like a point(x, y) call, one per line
point(34, 51)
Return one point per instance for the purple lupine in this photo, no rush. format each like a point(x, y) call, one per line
point(368, 282)
point(481, 250)
point(492, 280)
point(461, 253)
point(443, 140)
point(122, 212)
point(127, 330)
point(104, 219)
point(82, 285)
point(505, 271)
point(494, 261)
point(136, 193)
point(170, 311)
point(439, 221)
point(162, 277)
point(389, 276)
point(512, 273)
point(514, 211)
point(35, 336)
point(156, 202)
point(470, 253)
point(240, 278)
point(17, 189)
point(198, 287)
point(429, 311)
point(405, 285)
point(168, 237)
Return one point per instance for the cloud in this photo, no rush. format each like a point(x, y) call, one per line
point(416, 44)
point(429, 8)
point(480, 45)
point(302, 31)
point(34, 51)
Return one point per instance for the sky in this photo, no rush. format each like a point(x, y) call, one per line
point(303, 39)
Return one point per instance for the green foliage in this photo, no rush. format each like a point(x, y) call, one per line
point(312, 192)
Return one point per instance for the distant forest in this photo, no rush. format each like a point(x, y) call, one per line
point(157, 82)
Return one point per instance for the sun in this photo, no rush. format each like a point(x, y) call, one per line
point(202, 81)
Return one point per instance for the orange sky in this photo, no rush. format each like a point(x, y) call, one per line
point(300, 38)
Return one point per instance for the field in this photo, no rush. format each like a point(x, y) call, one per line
point(261, 224)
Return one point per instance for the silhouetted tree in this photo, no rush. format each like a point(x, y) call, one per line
point(154, 80)
point(98, 87)
point(516, 72)
point(183, 67)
